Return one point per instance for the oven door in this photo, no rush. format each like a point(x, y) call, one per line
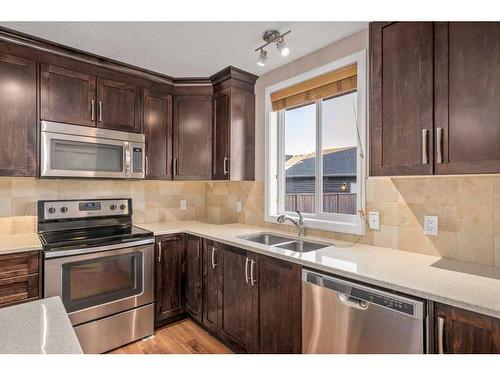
point(101, 284)
point(66, 155)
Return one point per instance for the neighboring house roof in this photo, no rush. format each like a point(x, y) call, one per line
point(336, 162)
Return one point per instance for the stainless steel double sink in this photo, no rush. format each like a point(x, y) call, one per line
point(282, 242)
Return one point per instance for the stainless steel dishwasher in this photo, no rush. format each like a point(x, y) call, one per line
point(339, 316)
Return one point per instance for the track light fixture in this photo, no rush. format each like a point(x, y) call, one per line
point(272, 36)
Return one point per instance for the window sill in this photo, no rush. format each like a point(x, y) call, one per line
point(355, 227)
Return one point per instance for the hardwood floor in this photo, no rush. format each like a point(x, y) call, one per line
point(183, 337)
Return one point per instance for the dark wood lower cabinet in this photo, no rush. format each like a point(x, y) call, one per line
point(211, 284)
point(279, 307)
point(460, 331)
point(193, 276)
point(19, 278)
point(236, 311)
point(169, 276)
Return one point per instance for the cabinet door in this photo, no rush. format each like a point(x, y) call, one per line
point(221, 136)
point(401, 98)
point(279, 307)
point(17, 116)
point(193, 276)
point(158, 133)
point(67, 96)
point(119, 106)
point(211, 275)
point(464, 332)
point(467, 97)
point(192, 137)
point(236, 309)
point(169, 284)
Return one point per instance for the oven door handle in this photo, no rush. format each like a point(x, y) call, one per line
point(90, 250)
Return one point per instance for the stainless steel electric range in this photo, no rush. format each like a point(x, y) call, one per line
point(102, 268)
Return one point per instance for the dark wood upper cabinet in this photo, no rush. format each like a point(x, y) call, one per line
point(279, 307)
point(221, 135)
point(18, 118)
point(460, 331)
point(467, 96)
point(118, 106)
point(67, 96)
point(158, 133)
point(401, 97)
point(236, 310)
point(194, 276)
point(169, 276)
point(211, 284)
point(234, 125)
point(192, 138)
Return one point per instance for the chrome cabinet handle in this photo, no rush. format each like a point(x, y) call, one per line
point(159, 252)
point(440, 335)
point(92, 110)
point(246, 270)
point(439, 145)
point(100, 111)
point(226, 159)
point(252, 280)
point(175, 167)
point(147, 165)
point(425, 146)
point(213, 257)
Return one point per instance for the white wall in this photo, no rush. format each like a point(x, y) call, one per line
point(330, 53)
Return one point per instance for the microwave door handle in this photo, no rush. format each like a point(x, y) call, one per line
point(127, 147)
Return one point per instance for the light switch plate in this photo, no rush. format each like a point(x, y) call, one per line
point(238, 206)
point(183, 204)
point(431, 225)
point(374, 220)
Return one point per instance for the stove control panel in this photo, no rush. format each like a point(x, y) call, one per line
point(76, 209)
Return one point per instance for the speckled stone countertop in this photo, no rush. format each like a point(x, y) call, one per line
point(38, 327)
point(470, 286)
point(16, 243)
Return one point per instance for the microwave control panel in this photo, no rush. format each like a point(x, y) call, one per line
point(137, 160)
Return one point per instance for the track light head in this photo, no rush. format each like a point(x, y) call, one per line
point(282, 48)
point(261, 61)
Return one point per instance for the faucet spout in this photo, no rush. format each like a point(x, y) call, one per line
point(299, 224)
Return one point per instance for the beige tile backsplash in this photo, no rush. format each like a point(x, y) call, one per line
point(468, 208)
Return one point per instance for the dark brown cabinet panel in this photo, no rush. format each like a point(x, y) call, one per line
point(158, 133)
point(192, 137)
point(211, 283)
point(465, 332)
point(236, 311)
point(194, 276)
point(467, 96)
point(279, 306)
point(401, 97)
point(67, 96)
point(221, 135)
point(18, 119)
point(169, 276)
point(19, 278)
point(119, 106)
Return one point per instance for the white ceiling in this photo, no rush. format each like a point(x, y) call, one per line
point(189, 49)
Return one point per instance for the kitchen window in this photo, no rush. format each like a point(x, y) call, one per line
point(316, 147)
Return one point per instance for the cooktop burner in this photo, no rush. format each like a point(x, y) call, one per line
point(72, 224)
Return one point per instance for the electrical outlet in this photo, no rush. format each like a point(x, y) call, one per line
point(431, 225)
point(183, 204)
point(238, 206)
point(374, 220)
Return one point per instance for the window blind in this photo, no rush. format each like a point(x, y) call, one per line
point(337, 82)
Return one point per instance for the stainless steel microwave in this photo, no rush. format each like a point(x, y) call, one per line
point(81, 151)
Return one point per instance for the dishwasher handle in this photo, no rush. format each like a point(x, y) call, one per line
point(352, 301)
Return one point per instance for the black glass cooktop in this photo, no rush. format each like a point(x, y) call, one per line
point(91, 237)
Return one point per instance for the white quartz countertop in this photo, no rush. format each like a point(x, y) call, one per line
point(16, 243)
point(38, 327)
point(470, 286)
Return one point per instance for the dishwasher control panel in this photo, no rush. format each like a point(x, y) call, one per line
point(389, 302)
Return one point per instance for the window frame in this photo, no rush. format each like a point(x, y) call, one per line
point(274, 155)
